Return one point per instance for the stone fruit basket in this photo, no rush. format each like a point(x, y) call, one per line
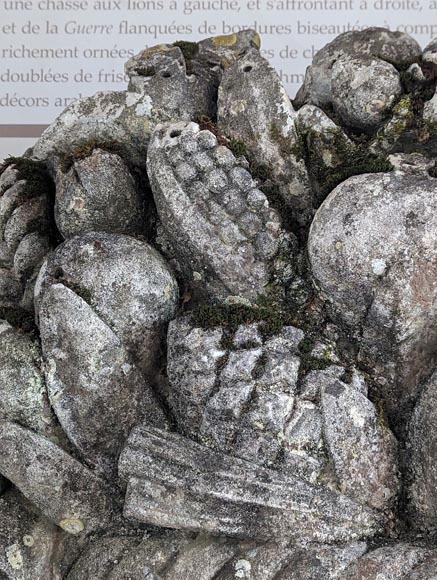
point(218, 332)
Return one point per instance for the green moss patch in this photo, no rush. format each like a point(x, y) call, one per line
point(418, 94)
point(271, 316)
point(353, 160)
point(403, 106)
point(285, 145)
point(237, 147)
point(309, 362)
point(367, 163)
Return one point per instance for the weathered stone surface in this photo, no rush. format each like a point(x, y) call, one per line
point(98, 193)
point(217, 54)
point(321, 561)
point(222, 51)
point(26, 231)
point(23, 395)
point(390, 135)
point(427, 570)
point(326, 146)
point(184, 77)
point(192, 377)
point(13, 192)
point(314, 382)
point(162, 87)
point(174, 482)
point(258, 561)
point(203, 199)
point(8, 178)
point(167, 556)
point(363, 450)
point(422, 450)
point(279, 454)
point(430, 111)
point(303, 448)
point(154, 556)
point(125, 281)
point(31, 547)
point(396, 562)
point(161, 73)
point(96, 391)
point(10, 288)
point(246, 399)
point(101, 556)
point(240, 400)
point(429, 56)
point(287, 561)
point(267, 128)
point(30, 254)
point(67, 493)
point(125, 118)
point(396, 48)
point(32, 214)
point(201, 559)
point(271, 390)
point(374, 257)
point(364, 90)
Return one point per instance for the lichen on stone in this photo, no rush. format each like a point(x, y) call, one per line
point(218, 321)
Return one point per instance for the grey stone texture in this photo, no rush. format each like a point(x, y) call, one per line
point(23, 394)
point(362, 448)
point(364, 90)
point(101, 322)
point(67, 493)
point(422, 447)
point(125, 118)
point(96, 391)
point(98, 193)
point(162, 87)
point(396, 48)
point(249, 399)
point(395, 562)
point(204, 199)
point(31, 547)
point(232, 397)
point(327, 147)
point(267, 128)
point(25, 237)
point(124, 280)
point(217, 322)
point(183, 78)
point(101, 556)
point(429, 55)
point(373, 255)
point(174, 482)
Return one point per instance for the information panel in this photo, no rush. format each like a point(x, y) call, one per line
point(53, 51)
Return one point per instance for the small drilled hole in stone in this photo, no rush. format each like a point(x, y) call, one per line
point(175, 134)
point(166, 75)
point(147, 72)
point(247, 68)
